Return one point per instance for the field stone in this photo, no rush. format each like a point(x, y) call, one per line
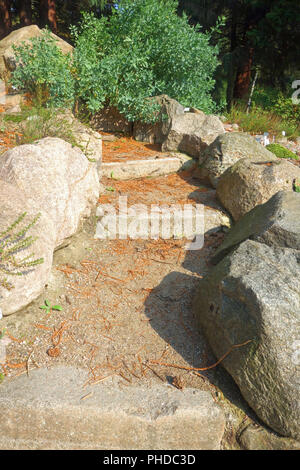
point(156, 133)
point(259, 438)
point(29, 286)
point(191, 133)
point(249, 183)
point(226, 150)
point(56, 178)
point(87, 139)
point(254, 294)
point(46, 410)
point(133, 169)
point(277, 222)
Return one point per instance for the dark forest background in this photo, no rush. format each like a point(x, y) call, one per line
point(255, 35)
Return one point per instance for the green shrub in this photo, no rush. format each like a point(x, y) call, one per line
point(144, 49)
point(264, 97)
point(285, 108)
point(281, 152)
point(44, 71)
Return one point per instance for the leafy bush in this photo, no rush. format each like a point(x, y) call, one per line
point(144, 49)
point(264, 97)
point(44, 71)
point(285, 108)
point(281, 152)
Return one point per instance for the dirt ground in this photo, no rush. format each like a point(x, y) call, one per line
point(126, 303)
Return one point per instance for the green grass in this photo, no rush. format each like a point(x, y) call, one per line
point(36, 122)
point(260, 120)
point(281, 152)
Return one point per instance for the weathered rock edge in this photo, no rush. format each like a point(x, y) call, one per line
point(254, 294)
point(46, 411)
point(275, 223)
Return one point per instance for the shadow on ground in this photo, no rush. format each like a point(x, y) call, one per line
point(169, 307)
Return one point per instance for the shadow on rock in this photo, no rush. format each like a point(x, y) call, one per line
point(169, 306)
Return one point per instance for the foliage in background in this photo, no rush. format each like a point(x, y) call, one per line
point(275, 101)
point(260, 120)
point(44, 71)
point(13, 241)
point(260, 34)
point(144, 49)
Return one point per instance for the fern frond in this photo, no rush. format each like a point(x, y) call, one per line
point(13, 241)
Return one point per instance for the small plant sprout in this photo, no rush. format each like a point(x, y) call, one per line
point(49, 308)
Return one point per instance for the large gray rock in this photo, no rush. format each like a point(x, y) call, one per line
point(7, 56)
point(55, 178)
point(156, 133)
point(191, 133)
point(46, 411)
point(247, 184)
point(277, 222)
point(259, 438)
point(87, 139)
point(29, 285)
point(254, 294)
point(226, 150)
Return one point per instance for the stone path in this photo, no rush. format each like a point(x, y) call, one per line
point(125, 331)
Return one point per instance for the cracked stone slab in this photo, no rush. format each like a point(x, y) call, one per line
point(46, 410)
point(132, 169)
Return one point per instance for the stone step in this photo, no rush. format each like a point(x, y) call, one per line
point(151, 167)
point(47, 410)
point(145, 222)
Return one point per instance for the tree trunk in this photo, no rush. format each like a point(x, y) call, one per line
point(5, 18)
point(25, 13)
point(231, 74)
point(48, 14)
point(243, 77)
